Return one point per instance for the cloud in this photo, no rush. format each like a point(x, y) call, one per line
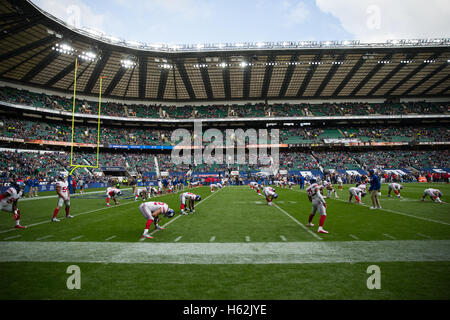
point(74, 12)
point(380, 20)
point(294, 13)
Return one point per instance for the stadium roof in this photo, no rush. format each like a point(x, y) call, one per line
point(38, 49)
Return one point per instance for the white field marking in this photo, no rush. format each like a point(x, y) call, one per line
point(227, 253)
point(389, 236)
point(13, 237)
point(353, 236)
point(396, 212)
point(109, 238)
point(292, 201)
point(282, 202)
point(247, 238)
point(424, 235)
point(213, 238)
point(82, 213)
point(298, 222)
point(177, 238)
point(258, 202)
point(283, 238)
point(44, 237)
point(72, 195)
point(76, 238)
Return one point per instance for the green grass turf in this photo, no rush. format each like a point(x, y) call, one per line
point(232, 215)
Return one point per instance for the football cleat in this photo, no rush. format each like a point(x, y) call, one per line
point(158, 227)
point(55, 220)
point(108, 205)
point(322, 231)
point(146, 236)
point(19, 227)
point(310, 224)
point(69, 216)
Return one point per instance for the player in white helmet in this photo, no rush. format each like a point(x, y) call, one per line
point(434, 194)
point(112, 192)
point(62, 190)
point(151, 212)
point(8, 202)
point(396, 187)
point(141, 192)
point(358, 192)
point(327, 185)
point(270, 194)
point(188, 198)
point(318, 204)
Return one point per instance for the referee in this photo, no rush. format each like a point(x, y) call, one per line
point(375, 187)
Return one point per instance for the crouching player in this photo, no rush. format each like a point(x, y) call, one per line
point(396, 187)
point(151, 212)
point(253, 184)
point(190, 198)
point(112, 192)
point(330, 189)
point(435, 194)
point(8, 202)
point(270, 194)
point(152, 192)
point(62, 190)
point(212, 186)
point(141, 192)
point(357, 192)
point(318, 204)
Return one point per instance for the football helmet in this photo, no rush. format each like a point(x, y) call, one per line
point(312, 180)
point(170, 213)
point(275, 195)
point(198, 198)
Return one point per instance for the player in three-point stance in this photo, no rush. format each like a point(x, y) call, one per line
point(396, 187)
point(112, 192)
point(190, 198)
point(327, 185)
point(141, 192)
point(270, 194)
point(358, 192)
point(434, 194)
point(62, 190)
point(8, 202)
point(318, 204)
point(151, 212)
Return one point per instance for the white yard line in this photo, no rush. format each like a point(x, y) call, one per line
point(76, 238)
point(389, 236)
point(298, 222)
point(213, 238)
point(110, 238)
point(13, 237)
point(44, 237)
point(283, 238)
point(353, 236)
point(227, 253)
point(424, 235)
point(247, 239)
point(177, 239)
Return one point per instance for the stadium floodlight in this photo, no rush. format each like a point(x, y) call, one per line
point(64, 48)
point(128, 62)
point(260, 44)
point(223, 65)
point(88, 56)
point(243, 64)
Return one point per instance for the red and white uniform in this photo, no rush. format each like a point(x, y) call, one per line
point(356, 192)
point(6, 203)
point(433, 193)
point(186, 196)
point(212, 186)
point(253, 184)
point(396, 187)
point(147, 208)
point(268, 191)
point(152, 190)
point(318, 204)
point(112, 192)
point(140, 192)
point(64, 185)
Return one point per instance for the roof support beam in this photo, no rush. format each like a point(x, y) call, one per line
point(129, 81)
point(97, 71)
point(328, 77)
point(309, 75)
point(184, 76)
point(79, 75)
point(425, 79)
point(26, 48)
point(142, 76)
point(370, 75)
point(119, 74)
point(288, 76)
point(348, 77)
point(267, 76)
point(25, 60)
point(40, 66)
point(226, 81)
point(162, 83)
point(206, 79)
point(410, 75)
point(27, 24)
point(247, 78)
point(436, 84)
point(64, 72)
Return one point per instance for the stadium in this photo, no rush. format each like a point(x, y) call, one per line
point(266, 131)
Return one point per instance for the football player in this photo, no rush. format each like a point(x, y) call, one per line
point(151, 212)
point(112, 192)
point(212, 186)
point(358, 192)
point(253, 184)
point(339, 182)
point(435, 195)
point(318, 204)
point(190, 197)
point(8, 202)
point(62, 190)
point(141, 192)
point(270, 194)
point(327, 185)
point(396, 187)
point(151, 191)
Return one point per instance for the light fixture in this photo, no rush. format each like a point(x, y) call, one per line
point(128, 62)
point(88, 56)
point(243, 64)
point(64, 48)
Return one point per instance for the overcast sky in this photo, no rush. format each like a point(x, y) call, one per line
point(215, 21)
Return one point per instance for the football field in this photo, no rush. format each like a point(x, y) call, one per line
point(234, 246)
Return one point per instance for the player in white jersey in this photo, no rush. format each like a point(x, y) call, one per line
point(318, 204)
point(151, 191)
point(151, 212)
point(141, 192)
point(396, 187)
point(62, 190)
point(327, 185)
point(8, 202)
point(189, 198)
point(434, 194)
point(339, 182)
point(212, 186)
point(253, 184)
point(357, 192)
point(112, 192)
point(219, 185)
point(270, 194)
point(194, 184)
point(291, 184)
